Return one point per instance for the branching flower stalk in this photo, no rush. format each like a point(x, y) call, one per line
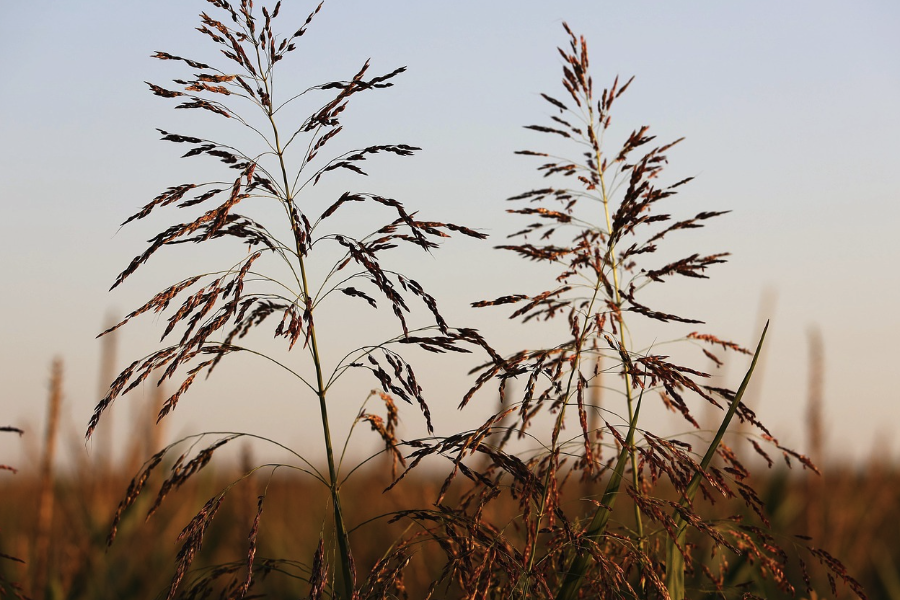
point(246, 293)
point(549, 550)
point(306, 298)
point(589, 129)
point(614, 268)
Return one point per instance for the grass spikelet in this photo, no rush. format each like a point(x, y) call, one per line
point(192, 535)
point(319, 573)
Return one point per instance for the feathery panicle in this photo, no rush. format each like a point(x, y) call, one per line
point(601, 219)
point(210, 315)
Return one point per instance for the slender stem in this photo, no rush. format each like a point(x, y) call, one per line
point(597, 527)
point(343, 542)
point(635, 476)
point(554, 444)
point(341, 532)
point(576, 366)
point(674, 545)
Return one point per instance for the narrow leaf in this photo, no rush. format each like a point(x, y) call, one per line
point(674, 558)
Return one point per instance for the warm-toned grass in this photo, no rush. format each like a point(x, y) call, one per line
point(861, 526)
point(607, 509)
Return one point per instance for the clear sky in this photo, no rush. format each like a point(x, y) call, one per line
point(789, 110)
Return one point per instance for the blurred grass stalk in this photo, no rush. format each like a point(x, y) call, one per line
point(815, 488)
point(41, 550)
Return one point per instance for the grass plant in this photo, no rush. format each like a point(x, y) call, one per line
point(506, 528)
point(41, 553)
point(599, 220)
point(283, 171)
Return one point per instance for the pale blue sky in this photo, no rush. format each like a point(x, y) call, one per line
point(789, 110)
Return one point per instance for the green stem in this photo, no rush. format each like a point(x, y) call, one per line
point(597, 527)
point(635, 475)
point(347, 579)
point(554, 443)
point(674, 557)
point(342, 538)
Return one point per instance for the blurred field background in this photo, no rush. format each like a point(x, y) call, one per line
point(57, 520)
point(856, 520)
point(789, 114)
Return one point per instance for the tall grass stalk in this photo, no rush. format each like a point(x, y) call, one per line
point(596, 288)
point(248, 291)
point(41, 549)
point(815, 437)
point(598, 218)
point(597, 527)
